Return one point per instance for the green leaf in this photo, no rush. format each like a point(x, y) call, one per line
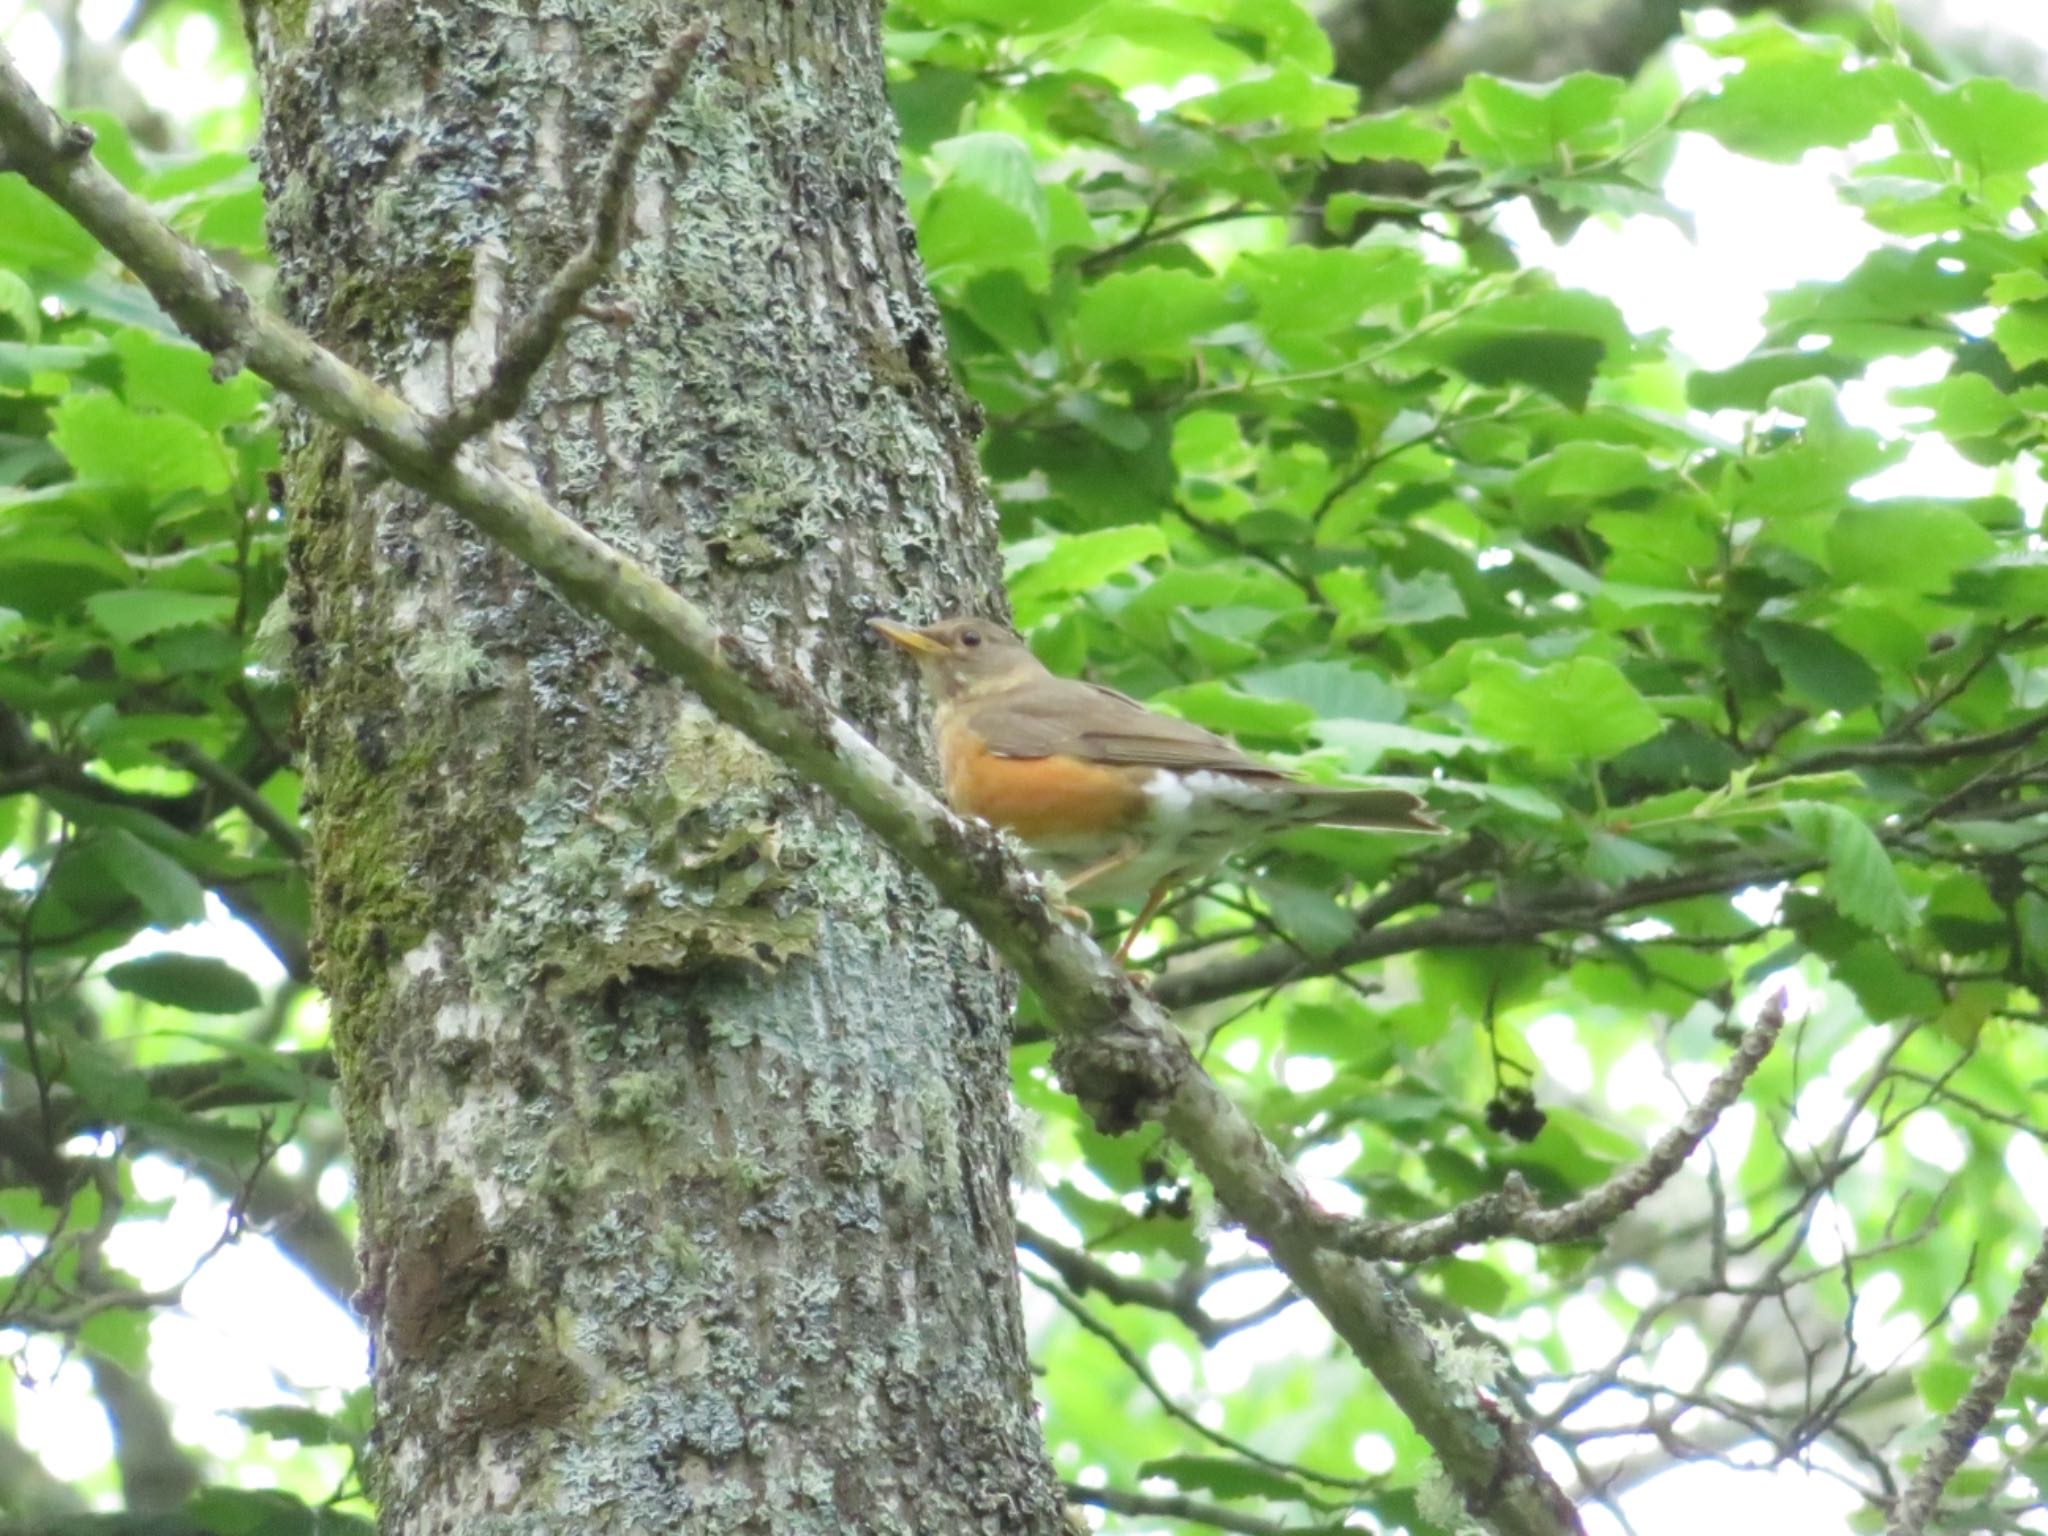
point(36, 237)
point(196, 983)
point(1044, 568)
point(1307, 914)
point(136, 613)
point(1221, 707)
point(1305, 291)
point(1560, 364)
point(1508, 125)
point(18, 306)
point(1794, 93)
point(1942, 1384)
point(120, 1334)
point(160, 455)
point(1582, 709)
point(250, 1512)
point(1225, 1477)
point(1288, 95)
point(2022, 334)
point(1365, 742)
point(1152, 314)
point(1333, 689)
point(1000, 165)
point(1586, 471)
point(1817, 665)
point(1405, 134)
point(1964, 405)
point(1472, 1285)
point(45, 575)
point(1990, 125)
point(169, 894)
point(964, 231)
point(171, 375)
point(286, 1421)
point(1906, 543)
point(1749, 383)
point(1861, 881)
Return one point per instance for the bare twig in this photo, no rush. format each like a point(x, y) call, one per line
point(1513, 1211)
point(1180, 1298)
point(1951, 749)
point(534, 336)
point(1966, 1421)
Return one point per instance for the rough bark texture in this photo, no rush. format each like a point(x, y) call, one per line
point(680, 1115)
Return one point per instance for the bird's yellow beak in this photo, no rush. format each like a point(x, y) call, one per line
point(916, 641)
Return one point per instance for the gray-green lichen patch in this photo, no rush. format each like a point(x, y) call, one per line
point(687, 873)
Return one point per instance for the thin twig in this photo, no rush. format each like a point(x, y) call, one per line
point(1513, 1211)
point(534, 336)
point(1966, 1421)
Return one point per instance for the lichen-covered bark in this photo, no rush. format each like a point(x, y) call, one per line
point(680, 1114)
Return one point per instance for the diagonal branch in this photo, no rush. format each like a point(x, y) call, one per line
point(526, 349)
point(1966, 1421)
point(1119, 1054)
point(1514, 1213)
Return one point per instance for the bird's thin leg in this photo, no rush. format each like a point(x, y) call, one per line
point(1100, 867)
point(1058, 888)
point(1144, 916)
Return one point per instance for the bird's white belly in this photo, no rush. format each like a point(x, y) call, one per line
point(1192, 822)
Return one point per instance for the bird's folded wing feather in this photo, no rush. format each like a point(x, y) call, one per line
point(1075, 719)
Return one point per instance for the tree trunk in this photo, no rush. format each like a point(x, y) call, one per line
point(680, 1114)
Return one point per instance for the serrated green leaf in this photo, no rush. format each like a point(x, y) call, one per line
point(1150, 314)
point(1861, 881)
point(1584, 709)
point(135, 613)
point(157, 454)
point(1509, 124)
point(1405, 134)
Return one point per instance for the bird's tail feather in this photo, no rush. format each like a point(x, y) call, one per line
point(1391, 810)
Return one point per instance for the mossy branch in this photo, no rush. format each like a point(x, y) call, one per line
point(1119, 1054)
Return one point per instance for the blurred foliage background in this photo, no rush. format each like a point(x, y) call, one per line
point(1727, 678)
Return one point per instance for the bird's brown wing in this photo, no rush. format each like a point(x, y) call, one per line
point(1062, 717)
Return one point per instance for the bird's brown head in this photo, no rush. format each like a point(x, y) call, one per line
point(961, 658)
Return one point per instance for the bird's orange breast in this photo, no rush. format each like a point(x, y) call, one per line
point(1041, 799)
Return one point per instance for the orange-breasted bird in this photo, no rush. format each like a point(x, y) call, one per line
point(1118, 801)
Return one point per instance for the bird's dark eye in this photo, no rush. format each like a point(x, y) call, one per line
point(970, 637)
